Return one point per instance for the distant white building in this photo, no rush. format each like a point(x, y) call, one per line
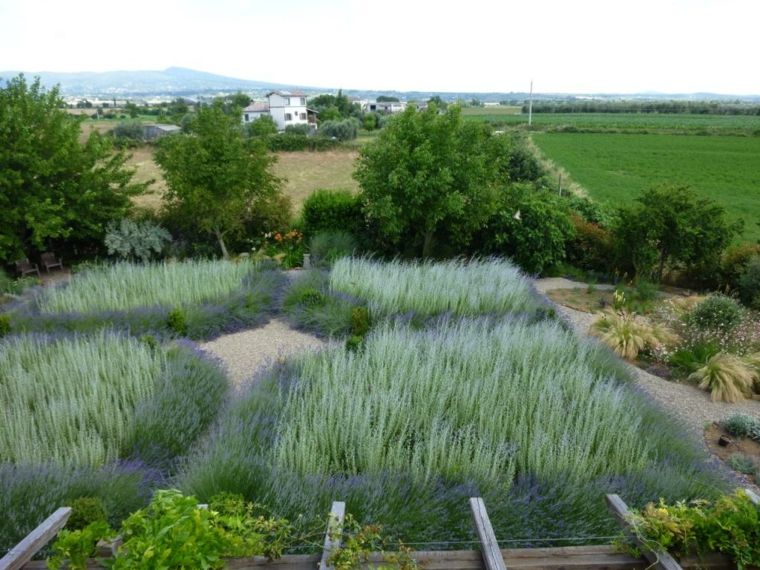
point(383, 106)
point(284, 107)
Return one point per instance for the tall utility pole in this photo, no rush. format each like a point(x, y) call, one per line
point(530, 105)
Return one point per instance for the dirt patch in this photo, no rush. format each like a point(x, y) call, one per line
point(588, 300)
point(304, 172)
point(736, 445)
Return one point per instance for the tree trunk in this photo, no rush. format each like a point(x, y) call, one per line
point(661, 267)
point(220, 238)
point(427, 245)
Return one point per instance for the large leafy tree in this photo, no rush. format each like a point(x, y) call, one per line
point(429, 176)
point(53, 185)
point(215, 176)
point(671, 227)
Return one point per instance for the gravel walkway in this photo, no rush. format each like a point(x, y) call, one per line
point(246, 351)
point(691, 406)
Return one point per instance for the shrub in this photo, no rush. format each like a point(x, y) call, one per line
point(688, 360)
point(628, 334)
point(726, 376)
point(296, 142)
point(591, 247)
point(185, 400)
point(360, 322)
point(740, 425)
point(130, 240)
point(344, 130)
point(5, 325)
point(328, 247)
point(733, 263)
point(86, 510)
point(262, 126)
point(127, 134)
point(530, 227)
point(749, 283)
point(715, 313)
point(309, 303)
point(297, 129)
point(332, 211)
point(741, 463)
point(177, 321)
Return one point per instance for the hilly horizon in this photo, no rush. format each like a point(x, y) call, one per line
point(185, 81)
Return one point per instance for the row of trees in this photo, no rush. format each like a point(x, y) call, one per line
point(432, 185)
point(677, 107)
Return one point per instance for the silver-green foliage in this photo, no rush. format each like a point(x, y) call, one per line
point(473, 400)
point(71, 401)
point(125, 286)
point(463, 288)
point(142, 240)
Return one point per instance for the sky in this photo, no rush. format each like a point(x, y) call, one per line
point(564, 46)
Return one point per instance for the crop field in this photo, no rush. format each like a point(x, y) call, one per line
point(518, 410)
point(615, 168)
point(697, 124)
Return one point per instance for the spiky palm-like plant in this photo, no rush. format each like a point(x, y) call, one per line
point(727, 377)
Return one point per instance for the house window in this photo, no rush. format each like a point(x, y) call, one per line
point(246, 118)
point(288, 117)
point(303, 100)
point(303, 116)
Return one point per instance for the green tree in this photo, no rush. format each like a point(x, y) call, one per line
point(132, 110)
point(214, 175)
point(670, 226)
point(51, 184)
point(425, 174)
point(262, 126)
point(530, 226)
point(387, 99)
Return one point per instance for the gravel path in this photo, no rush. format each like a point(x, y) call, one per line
point(246, 351)
point(691, 406)
point(549, 283)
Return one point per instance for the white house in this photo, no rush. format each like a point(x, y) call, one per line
point(383, 106)
point(284, 107)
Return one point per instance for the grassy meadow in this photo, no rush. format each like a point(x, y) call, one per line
point(614, 168)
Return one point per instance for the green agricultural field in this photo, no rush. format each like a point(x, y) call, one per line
point(702, 124)
point(615, 168)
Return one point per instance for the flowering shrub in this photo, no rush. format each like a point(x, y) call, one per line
point(716, 313)
point(286, 247)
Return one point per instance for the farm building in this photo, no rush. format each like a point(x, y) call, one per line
point(284, 107)
point(154, 132)
point(384, 106)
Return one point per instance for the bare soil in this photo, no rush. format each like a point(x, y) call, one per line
point(744, 445)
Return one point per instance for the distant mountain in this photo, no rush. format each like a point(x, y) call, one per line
point(170, 81)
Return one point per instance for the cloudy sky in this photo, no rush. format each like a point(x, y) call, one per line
point(578, 46)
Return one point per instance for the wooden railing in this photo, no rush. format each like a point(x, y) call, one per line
point(490, 557)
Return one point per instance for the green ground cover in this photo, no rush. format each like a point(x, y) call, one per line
point(705, 124)
point(615, 168)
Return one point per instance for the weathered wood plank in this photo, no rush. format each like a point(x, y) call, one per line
point(333, 534)
point(35, 540)
point(488, 545)
point(752, 496)
point(659, 558)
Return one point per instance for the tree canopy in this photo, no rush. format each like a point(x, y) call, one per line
point(429, 173)
point(670, 226)
point(214, 175)
point(51, 184)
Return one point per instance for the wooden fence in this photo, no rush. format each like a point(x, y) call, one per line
point(489, 557)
